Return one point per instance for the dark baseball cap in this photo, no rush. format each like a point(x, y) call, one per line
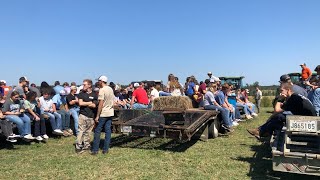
point(284, 78)
point(317, 68)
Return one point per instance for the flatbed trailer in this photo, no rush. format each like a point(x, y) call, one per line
point(174, 123)
point(296, 148)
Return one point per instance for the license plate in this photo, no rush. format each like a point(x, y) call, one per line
point(126, 129)
point(307, 126)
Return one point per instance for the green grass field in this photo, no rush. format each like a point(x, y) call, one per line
point(237, 156)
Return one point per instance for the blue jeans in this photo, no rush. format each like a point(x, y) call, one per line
point(246, 108)
point(314, 97)
point(75, 115)
point(53, 117)
point(139, 106)
point(65, 119)
point(162, 93)
point(224, 113)
point(22, 122)
point(275, 122)
point(106, 122)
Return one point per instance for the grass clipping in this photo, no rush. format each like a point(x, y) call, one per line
point(171, 102)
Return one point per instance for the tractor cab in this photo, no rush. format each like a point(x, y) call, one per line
point(235, 81)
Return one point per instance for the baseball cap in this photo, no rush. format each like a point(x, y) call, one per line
point(303, 64)
point(73, 87)
point(216, 79)
point(3, 81)
point(136, 85)
point(317, 68)
point(103, 78)
point(23, 78)
point(209, 72)
point(284, 78)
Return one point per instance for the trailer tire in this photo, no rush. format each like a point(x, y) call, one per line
point(213, 128)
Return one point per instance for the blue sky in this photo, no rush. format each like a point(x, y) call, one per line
point(129, 40)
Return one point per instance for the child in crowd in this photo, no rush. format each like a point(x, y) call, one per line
point(32, 110)
point(47, 108)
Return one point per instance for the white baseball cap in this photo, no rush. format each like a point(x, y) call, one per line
point(136, 85)
point(3, 81)
point(103, 78)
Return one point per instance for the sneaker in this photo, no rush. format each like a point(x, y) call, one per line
point(39, 138)
point(235, 123)
point(70, 131)
point(57, 132)
point(94, 153)
point(254, 115)
point(254, 132)
point(14, 136)
point(241, 120)
point(227, 129)
point(249, 116)
point(105, 152)
point(79, 151)
point(45, 136)
point(11, 140)
point(28, 136)
point(65, 133)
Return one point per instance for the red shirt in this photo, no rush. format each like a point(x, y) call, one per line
point(141, 96)
point(306, 73)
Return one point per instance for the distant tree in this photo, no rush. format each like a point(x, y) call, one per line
point(255, 84)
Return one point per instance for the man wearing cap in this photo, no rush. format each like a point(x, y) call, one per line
point(212, 78)
point(104, 116)
point(295, 88)
point(305, 73)
point(289, 103)
point(314, 95)
point(88, 102)
point(139, 98)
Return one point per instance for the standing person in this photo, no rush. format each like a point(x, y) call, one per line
point(258, 97)
point(305, 72)
point(104, 116)
point(88, 103)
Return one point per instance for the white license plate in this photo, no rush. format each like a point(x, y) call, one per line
point(307, 126)
point(126, 129)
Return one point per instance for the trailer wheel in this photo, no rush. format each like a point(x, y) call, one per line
point(213, 128)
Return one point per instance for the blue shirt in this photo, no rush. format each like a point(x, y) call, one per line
point(190, 90)
point(220, 98)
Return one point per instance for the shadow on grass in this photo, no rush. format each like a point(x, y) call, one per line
point(148, 143)
point(261, 164)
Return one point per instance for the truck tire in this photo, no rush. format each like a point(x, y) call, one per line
point(213, 128)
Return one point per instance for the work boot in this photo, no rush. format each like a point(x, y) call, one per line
point(254, 132)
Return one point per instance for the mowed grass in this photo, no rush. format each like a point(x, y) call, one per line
point(237, 156)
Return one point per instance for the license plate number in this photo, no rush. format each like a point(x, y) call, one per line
point(126, 129)
point(307, 126)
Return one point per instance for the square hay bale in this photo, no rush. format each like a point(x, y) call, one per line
point(172, 103)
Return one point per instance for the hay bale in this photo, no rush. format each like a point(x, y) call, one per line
point(172, 102)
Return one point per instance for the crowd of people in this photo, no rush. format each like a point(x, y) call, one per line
point(90, 104)
point(293, 100)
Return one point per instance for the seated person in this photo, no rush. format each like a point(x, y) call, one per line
point(211, 104)
point(6, 128)
point(14, 111)
point(294, 104)
point(139, 98)
point(47, 108)
point(59, 101)
point(32, 110)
